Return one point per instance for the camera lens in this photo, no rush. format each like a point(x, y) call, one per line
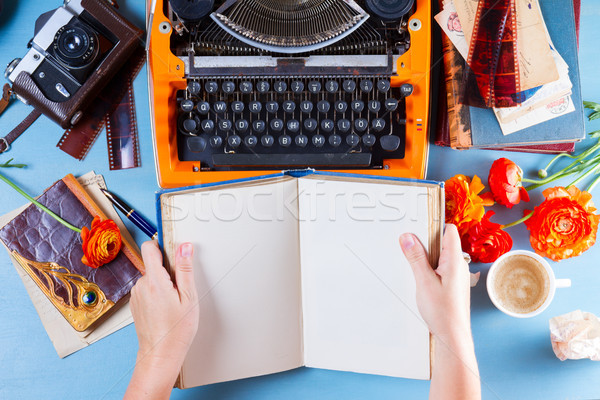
point(389, 10)
point(75, 46)
point(73, 43)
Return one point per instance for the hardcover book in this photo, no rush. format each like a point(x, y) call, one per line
point(474, 127)
point(51, 253)
point(304, 271)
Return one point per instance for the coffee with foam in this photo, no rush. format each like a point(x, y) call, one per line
point(521, 284)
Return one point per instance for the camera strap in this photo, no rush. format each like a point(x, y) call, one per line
point(7, 140)
point(113, 108)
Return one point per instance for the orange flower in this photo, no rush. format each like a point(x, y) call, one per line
point(505, 183)
point(464, 208)
point(486, 241)
point(101, 244)
point(564, 225)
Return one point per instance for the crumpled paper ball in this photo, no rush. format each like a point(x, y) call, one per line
point(576, 335)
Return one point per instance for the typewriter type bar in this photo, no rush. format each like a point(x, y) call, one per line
point(224, 109)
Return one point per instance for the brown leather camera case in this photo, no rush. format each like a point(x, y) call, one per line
point(128, 38)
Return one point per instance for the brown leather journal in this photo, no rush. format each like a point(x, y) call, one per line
point(51, 254)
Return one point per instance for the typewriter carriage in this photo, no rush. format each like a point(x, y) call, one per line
point(168, 75)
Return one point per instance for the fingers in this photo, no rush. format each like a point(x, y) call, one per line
point(417, 258)
point(152, 256)
point(451, 259)
point(184, 272)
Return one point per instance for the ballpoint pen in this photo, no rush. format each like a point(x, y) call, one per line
point(132, 215)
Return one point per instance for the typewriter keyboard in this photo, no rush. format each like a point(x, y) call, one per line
point(277, 122)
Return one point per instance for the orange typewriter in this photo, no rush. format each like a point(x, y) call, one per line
point(242, 87)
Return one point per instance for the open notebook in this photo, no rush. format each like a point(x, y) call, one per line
point(304, 271)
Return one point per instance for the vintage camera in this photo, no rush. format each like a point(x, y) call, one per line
point(75, 51)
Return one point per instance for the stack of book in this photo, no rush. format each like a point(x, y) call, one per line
point(550, 119)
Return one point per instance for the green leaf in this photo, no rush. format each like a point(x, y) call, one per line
point(591, 105)
point(593, 116)
point(9, 165)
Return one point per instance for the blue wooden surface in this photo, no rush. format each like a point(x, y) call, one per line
point(515, 356)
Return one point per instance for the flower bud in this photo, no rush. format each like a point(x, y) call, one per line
point(542, 173)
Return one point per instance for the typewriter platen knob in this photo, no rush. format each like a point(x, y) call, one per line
point(389, 10)
point(191, 10)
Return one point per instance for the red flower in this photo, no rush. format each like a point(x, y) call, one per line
point(486, 241)
point(101, 244)
point(564, 225)
point(464, 207)
point(505, 183)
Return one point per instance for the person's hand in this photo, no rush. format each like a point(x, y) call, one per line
point(443, 295)
point(443, 298)
point(166, 320)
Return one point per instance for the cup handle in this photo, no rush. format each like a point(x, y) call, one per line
point(560, 283)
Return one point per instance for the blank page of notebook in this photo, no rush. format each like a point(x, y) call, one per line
point(246, 264)
point(359, 305)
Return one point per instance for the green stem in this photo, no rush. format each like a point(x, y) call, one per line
point(588, 173)
point(40, 205)
point(517, 222)
point(593, 184)
point(556, 158)
point(573, 168)
point(9, 165)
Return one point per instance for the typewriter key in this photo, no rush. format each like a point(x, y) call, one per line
point(263, 86)
point(246, 87)
point(349, 86)
point(327, 125)
point(267, 140)
point(406, 89)
point(272, 107)
point(366, 85)
point(374, 106)
point(208, 126)
point(259, 126)
point(186, 105)
point(361, 125)
point(255, 107)
point(314, 86)
point(301, 140)
point(215, 141)
point(383, 86)
point(323, 106)
point(194, 88)
point(343, 125)
point(341, 106)
point(285, 140)
point(237, 107)
point(289, 106)
point(280, 86)
point(332, 86)
point(297, 86)
point(203, 107)
point(251, 141)
point(276, 125)
point(211, 87)
point(335, 140)
point(353, 140)
point(293, 126)
point(369, 140)
point(234, 141)
point(228, 87)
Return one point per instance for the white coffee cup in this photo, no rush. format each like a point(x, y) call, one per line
point(521, 284)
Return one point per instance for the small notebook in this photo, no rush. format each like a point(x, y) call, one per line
point(51, 255)
point(304, 271)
